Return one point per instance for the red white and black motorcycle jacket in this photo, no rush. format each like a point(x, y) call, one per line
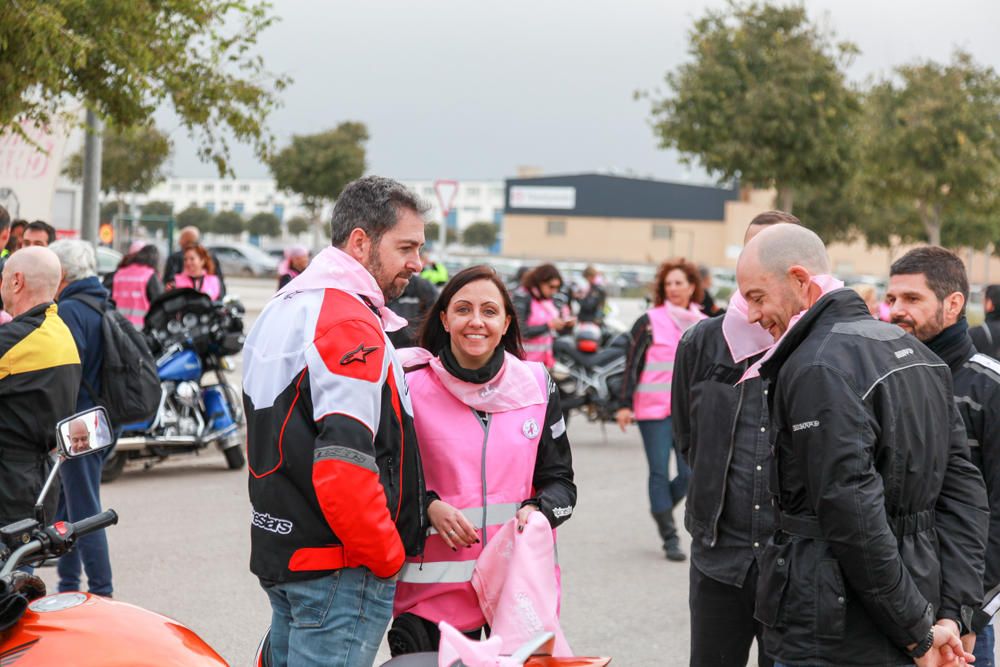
point(335, 473)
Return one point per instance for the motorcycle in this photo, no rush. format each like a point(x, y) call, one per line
point(79, 628)
point(590, 371)
point(192, 337)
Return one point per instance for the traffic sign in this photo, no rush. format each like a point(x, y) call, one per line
point(106, 234)
point(445, 191)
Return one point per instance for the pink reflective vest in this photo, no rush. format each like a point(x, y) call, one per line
point(540, 347)
point(128, 289)
point(210, 284)
point(652, 393)
point(485, 472)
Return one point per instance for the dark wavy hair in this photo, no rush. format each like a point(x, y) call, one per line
point(536, 277)
point(147, 255)
point(433, 337)
point(690, 270)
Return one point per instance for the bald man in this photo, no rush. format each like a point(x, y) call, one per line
point(79, 436)
point(878, 559)
point(190, 236)
point(39, 378)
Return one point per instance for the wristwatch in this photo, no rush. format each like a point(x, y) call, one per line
point(923, 647)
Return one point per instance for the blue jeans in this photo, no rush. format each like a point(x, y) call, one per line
point(658, 440)
point(984, 650)
point(336, 620)
point(81, 498)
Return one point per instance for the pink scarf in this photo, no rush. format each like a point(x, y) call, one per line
point(826, 284)
point(335, 269)
point(685, 318)
point(513, 388)
point(5, 317)
point(743, 338)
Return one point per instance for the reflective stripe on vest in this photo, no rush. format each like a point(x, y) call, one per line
point(495, 515)
point(445, 572)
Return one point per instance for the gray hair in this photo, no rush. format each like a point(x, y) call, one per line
point(372, 204)
point(782, 246)
point(78, 259)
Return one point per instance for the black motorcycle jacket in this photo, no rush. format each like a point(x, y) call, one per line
point(705, 405)
point(977, 397)
point(883, 516)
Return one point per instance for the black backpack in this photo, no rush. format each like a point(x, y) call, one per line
point(130, 385)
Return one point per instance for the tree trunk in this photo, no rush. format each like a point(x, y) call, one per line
point(931, 221)
point(785, 197)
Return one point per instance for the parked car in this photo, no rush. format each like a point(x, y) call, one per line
point(107, 260)
point(243, 259)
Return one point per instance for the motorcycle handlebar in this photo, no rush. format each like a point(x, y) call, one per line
point(98, 521)
point(76, 530)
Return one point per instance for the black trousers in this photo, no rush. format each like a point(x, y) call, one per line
point(722, 622)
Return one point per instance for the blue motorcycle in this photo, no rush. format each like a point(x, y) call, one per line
point(192, 338)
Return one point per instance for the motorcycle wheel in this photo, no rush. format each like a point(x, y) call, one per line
point(113, 467)
point(234, 457)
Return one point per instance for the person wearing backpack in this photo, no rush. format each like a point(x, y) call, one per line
point(81, 477)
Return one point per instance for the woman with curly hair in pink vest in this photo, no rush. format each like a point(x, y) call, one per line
point(677, 292)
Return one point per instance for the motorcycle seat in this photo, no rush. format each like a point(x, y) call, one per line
point(594, 359)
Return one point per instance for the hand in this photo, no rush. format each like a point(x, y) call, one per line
point(969, 642)
point(556, 323)
point(946, 650)
point(451, 525)
point(624, 417)
point(522, 516)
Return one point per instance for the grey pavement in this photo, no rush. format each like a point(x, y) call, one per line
point(182, 547)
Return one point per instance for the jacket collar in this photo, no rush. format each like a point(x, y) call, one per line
point(836, 306)
point(953, 345)
point(89, 286)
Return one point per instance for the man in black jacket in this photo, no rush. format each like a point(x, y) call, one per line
point(879, 554)
point(721, 430)
point(927, 292)
point(986, 337)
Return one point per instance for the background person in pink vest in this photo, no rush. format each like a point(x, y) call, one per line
point(295, 262)
point(493, 444)
point(677, 292)
point(199, 273)
point(135, 284)
point(540, 319)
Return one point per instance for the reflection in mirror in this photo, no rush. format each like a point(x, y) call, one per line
point(85, 432)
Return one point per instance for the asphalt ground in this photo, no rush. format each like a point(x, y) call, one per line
point(182, 546)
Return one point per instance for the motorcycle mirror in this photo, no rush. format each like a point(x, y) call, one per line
point(85, 433)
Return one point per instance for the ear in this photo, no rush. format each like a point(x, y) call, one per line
point(800, 275)
point(953, 304)
point(358, 244)
point(506, 325)
point(444, 321)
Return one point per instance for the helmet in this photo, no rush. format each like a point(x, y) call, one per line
point(588, 337)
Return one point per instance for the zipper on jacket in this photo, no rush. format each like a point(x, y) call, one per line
point(485, 423)
point(729, 460)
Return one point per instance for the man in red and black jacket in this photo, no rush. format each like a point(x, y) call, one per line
point(336, 483)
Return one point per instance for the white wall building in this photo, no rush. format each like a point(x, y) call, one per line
point(247, 196)
point(475, 201)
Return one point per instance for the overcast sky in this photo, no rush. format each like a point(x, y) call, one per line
point(471, 89)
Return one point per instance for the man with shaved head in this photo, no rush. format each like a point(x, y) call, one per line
point(39, 377)
point(879, 554)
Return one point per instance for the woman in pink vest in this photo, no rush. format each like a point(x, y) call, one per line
point(646, 393)
point(198, 273)
point(540, 318)
point(135, 284)
point(493, 445)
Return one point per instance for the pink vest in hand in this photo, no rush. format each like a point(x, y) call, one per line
point(540, 348)
point(652, 394)
point(486, 472)
point(210, 284)
point(129, 292)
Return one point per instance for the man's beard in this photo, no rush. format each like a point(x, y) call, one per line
point(386, 283)
point(929, 329)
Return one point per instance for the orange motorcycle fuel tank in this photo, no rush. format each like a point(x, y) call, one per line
point(89, 631)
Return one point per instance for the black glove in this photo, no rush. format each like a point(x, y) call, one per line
point(12, 606)
point(27, 585)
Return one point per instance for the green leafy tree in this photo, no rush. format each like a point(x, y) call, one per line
point(763, 99)
point(157, 208)
point(298, 225)
point(432, 229)
point(109, 209)
point(228, 222)
point(132, 160)
point(126, 59)
point(930, 155)
point(318, 166)
point(480, 234)
point(194, 216)
point(264, 224)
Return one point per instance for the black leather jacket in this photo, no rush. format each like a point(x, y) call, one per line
point(883, 515)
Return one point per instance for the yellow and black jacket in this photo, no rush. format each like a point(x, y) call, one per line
point(39, 379)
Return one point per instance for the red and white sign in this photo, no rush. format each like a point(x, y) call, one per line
point(446, 191)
